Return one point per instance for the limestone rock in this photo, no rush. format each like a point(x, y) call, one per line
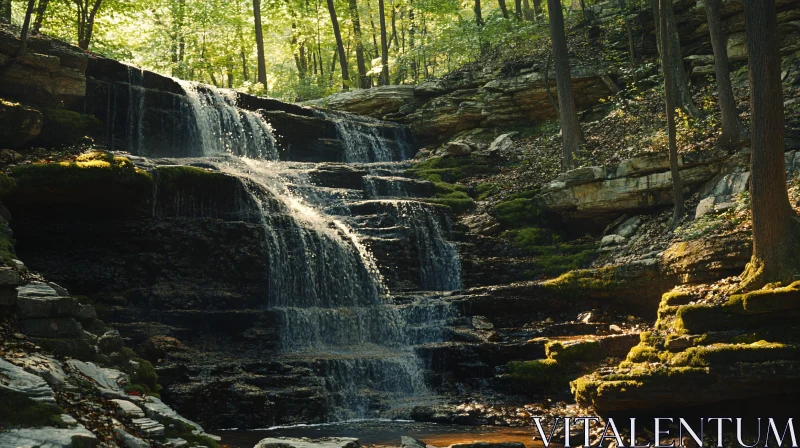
point(16, 379)
point(325, 442)
point(155, 409)
point(634, 185)
point(45, 367)
point(128, 409)
point(18, 124)
point(457, 149)
point(707, 258)
point(375, 102)
point(128, 440)
point(58, 327)
point(148, 427)
point(612, 240)
point(78, 437)
point(501, 144)
point(38, 300)
point(109, 381)
point(410, 442)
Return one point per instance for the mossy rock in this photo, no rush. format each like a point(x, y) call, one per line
point(18, 409)
point(721, 355)
point(610, 282)
point(576, 351)
point(65, 127)
point(188, 191)
point(701, 318)
point(521, 210)
point(177, 429)
point(453, 196)
point(451, 169)
point(542, 375)
point(770, 300)
point(144, 375)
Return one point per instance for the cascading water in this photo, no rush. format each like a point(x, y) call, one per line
point(335, 313)
point(225, 129)
point(365, 142)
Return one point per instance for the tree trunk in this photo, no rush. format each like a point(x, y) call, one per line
point(41, 10)
point(518, 9)
point(86, 21)
point(393, 37)
point(25, 24)
point(5, 10)
point(262, 65)
point(629, 32)
point(503, 8)
point(683, 96)
point(526, 10)
point(570, 127)
point(774, 227)
point(731, 126)
point(669, 84)
point(384, 81)
point(478, 16)
point(339, 46)
point(412, 34)
point(363, 80)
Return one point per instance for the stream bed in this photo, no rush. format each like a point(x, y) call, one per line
point(387, 433)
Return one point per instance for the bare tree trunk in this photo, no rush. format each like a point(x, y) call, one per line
point(340, 46)
point(393, 37)
point(86, 18)
point(363, 80)
point(683, 97)
point(478, 16)
point(570, 127)
point(5, 11)
point(384, 81)
point(526, 10)
point(666, 58)
point(25, 24)
point(41, 10)
point(774, 226)
point(629, 32)
point(503, 8)
point(731, 126)
point(518, 9)
point(262, 65)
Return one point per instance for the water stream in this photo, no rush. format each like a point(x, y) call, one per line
point(336, 312)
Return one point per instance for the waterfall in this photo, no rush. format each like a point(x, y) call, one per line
point(336, 316)
point(225, 129)
point(365, 142)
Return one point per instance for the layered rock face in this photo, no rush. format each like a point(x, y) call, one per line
point(487, 97)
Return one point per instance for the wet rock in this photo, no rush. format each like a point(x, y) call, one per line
point(16, 379)
point(325, 442)
point(128, 440)
point(410, 442)
point(78, 437)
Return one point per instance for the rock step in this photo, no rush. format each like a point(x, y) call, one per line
point(149, 428)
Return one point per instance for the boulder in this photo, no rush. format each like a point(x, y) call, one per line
point(78, 437)
point(46, 367)
point(39, 300)
point(109, 381)
point(16, 379)
point(410, 442)
point(457, 149)
point(127, 409)
point(18, 124)
point(707, 258)
point(325, 442)
point(128, 440)
point(56, 327)
point(501, 144)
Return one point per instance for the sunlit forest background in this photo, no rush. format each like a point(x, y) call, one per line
point(214, 41)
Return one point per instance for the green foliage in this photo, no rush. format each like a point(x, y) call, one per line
point(453, 196)
point(7, 185)
point(520, 210)
point(19, 410)
point(65, 127)
point(450, 169)
point(144, 377)
point(178, 429)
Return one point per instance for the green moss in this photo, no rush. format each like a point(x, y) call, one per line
point(453, 196)
point(718, 355)
point(7, 185)
point(520, 210)
point(603, 282)
point(673, 298)
point(177, 176)
point(7, 251)
point(769, 300)
point(450, 169)
point(643, 353)
point(579, 351)
point(543, 375)
point(65, 127)
point(91, 167)
point(486, 190)
point(145, 375)
point(178, 429)
point(19, 410)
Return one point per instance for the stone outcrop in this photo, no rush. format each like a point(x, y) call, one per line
point(635, 185)
point(19, 124)
point(486, 97)
point(50, 73)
